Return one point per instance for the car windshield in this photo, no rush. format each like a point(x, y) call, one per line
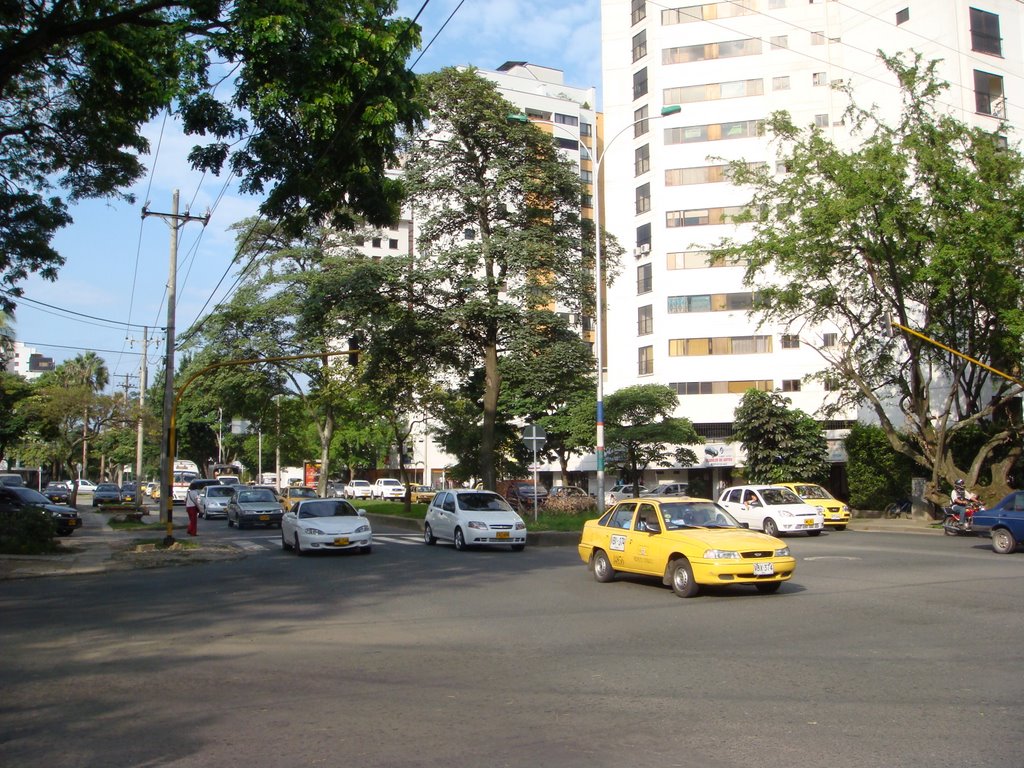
point(108, 488)
point(302, 493)
point(775, 496)
point(219, 491)
point(696, 514)
point(483, 500)
point(255, 495)
point(811, 492)
point(27, 495)
point(327, 508)
point(390, 482)
point(56, 487)
point(360, 483)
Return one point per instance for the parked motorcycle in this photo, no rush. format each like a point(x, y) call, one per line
point(954, 526)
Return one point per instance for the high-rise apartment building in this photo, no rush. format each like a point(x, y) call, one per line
point(672, 317)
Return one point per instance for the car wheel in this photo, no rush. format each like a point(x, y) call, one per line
point(770, 527)
point(460, 540)
point(603, 570)
point(769, 588)
point(518, 547)
point(284, 543)
point(297, 545)
point(428, 535)
point(814, 533)
point(681, 575)
point(840, 527)
point(1003, 541)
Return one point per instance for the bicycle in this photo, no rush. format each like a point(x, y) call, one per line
point(899, 509)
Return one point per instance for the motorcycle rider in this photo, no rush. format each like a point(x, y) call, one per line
point(958, 498)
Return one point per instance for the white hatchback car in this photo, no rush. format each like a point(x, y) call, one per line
point(315, 525)
point(772, 509)
point(470, 518)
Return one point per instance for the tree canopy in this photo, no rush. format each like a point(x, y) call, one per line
point(922, 222)
point(782, 444)
point(300, 99)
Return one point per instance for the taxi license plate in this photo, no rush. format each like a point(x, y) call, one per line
point(764, 569)
point(264, 517)
point(341, 541)
point(502, 535)
point(837, 517)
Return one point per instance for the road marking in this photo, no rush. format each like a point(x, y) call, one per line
point(409, 539)
point(829, 557)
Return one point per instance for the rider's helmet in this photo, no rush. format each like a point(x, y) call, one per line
point(959, 483)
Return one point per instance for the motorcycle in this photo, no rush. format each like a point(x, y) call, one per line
point(952, 525)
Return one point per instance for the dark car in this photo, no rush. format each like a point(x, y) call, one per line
point(254, 506)
point(13, 499)
point(57, 492)
point(521, 492)
point(129, 493)
point(106, 493)
point(1004, 523)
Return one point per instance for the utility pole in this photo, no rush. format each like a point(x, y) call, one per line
point(175, 221)
point(143, 383)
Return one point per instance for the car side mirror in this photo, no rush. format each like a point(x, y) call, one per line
point(361, 512)
point(651, 528)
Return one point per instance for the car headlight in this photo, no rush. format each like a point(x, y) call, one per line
point(785, 513)
point(312, 532)
point(721, 554)
point(821, 509)
point(363, 529)
point(784, 552)
point(520, 525)
point(477, 524)
point(846, 508)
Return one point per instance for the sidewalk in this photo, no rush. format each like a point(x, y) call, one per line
point(97, 548)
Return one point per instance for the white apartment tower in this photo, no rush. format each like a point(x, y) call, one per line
point(673, 319)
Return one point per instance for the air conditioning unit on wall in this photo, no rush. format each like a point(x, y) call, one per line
point(642, 250)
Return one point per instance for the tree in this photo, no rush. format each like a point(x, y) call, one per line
point(500, 230)
point(318, 88)
point(14, 391)
point(922, 222)
point(641, 430)
point(88, 371)
point(782, 444)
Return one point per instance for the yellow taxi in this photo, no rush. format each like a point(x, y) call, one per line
point(421, 494)
point(292, 495)
point(685, 542)
point(835, 512)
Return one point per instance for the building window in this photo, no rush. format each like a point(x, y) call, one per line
point(714, 302)
point(985, 32)
point(818, 78)
point(640, 45)
point(829, 339)
point(644, 281)
point(773, 4)
point(791, 385)
point(698, 217)
point(817, 38)
point(790, 341)
point(586, 176)
point(643, 198)
point(707, 174)
point(734, 89)
point(640, 123)
point(645, 321)
point(645, 361)
point(375, 242)
point(832, 384)
point(638, 11)
point(566, 120)
point(778, 42)
point(642, 160)
point(720, 387)
point(741, 129)
point(720, 345)
point(640, 83)
point(700, 260)
point(988, 94)
point(393, 244)
point(821, 121)
point(686, 54)
point(469, 233)
point(643, 236)
point(780, 83)
point(708, 11)
point(565, 143)
point(586, 129)
point(587, 201)
point(902, 16)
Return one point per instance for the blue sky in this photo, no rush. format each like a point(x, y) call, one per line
point(116, 266)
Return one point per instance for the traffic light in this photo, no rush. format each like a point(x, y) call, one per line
point(355, 343)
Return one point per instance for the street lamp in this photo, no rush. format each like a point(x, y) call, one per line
point(599, 280)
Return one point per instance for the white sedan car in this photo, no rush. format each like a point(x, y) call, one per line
point(772, 509)
point(470, 518)
point(325, 524)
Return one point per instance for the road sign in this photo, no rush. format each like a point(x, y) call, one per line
point(534, 437)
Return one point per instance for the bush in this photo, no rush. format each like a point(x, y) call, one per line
point(27, 532)
point(878, 475)
point(569, 505)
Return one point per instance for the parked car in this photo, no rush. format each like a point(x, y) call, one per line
point(150, 487)
point(15, 498)
point(358, 489)
point(684, 542)
point(325, 524)
point(106, 493)
point(335, 489)
point(835, 512)
point(421, 494)
point(522, 493)
point(129, 493)
point(1004, 523)
point(387, 488)
point(621, 491)
point(212, 500)
point(567, 492)
point(473, 518)
point(11, 478)
point(57, 492)
point(195, 487)
point(294, 494)
point(772, 509)
point(669, 489)
point(253, 506)
point(85, 486)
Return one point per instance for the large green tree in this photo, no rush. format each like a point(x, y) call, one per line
point(921, 222)
point(500, 230)
point(314, 91)
point(782, 444)
point(641, 430)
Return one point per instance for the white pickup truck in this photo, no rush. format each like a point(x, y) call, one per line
point(387, 488)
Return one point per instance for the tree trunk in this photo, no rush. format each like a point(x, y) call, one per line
point(492, 388)
point(326, 435)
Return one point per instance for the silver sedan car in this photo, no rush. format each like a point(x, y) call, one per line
point(213, 501)
point(253, 506)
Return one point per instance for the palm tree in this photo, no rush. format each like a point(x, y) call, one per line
point(87, 370)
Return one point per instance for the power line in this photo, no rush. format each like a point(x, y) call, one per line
point(58, 310)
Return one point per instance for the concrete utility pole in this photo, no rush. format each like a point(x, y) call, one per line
point(175, 221)
point(143, 383)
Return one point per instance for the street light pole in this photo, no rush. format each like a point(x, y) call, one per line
point(599, 282)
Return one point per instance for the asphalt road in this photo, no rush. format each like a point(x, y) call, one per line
point(886, 650)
